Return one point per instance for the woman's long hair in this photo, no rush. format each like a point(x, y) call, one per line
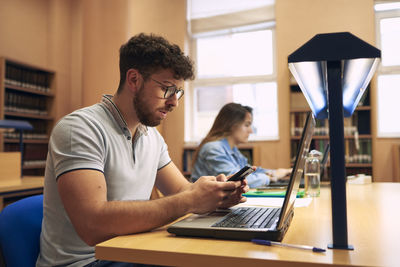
point(230, 116)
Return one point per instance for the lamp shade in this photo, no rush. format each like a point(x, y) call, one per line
point(308, 65)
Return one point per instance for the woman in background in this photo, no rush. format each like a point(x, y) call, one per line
point(218, 152)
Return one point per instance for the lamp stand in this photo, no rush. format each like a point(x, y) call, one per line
point(338, 171)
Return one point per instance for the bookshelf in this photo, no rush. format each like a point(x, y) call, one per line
point(27, 93)
point(357, 132)
point(248, 150)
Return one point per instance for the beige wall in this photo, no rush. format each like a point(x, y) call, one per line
point(167, 18)
point(108, 24)
point(80, 41)
point(24, 30)
point(104, 29)
point(36, 32)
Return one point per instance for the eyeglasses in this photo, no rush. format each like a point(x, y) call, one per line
point(170, 90)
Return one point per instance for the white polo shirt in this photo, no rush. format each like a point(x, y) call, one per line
point(97, 138)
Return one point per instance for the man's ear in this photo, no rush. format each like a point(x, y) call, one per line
point(133, 80)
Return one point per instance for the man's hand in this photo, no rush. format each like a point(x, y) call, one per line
point(210, 193)
point(235, 197)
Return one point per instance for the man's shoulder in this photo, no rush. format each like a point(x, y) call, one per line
point(90, 113)
point(87, 118)
point(96, 110)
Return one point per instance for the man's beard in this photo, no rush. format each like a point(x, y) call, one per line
point(143, 111)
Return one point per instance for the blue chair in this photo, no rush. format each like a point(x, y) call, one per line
point(20, 227)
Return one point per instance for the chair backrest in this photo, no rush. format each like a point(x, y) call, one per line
point(20, 227)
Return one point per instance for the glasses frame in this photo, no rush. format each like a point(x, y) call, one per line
point(170, 90)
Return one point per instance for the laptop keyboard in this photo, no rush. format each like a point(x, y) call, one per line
point(249, 217)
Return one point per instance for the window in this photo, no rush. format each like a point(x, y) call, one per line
point(234, 63)
point(388, 93)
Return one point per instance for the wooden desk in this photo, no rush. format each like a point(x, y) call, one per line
point(373, 225)
point(28, 185)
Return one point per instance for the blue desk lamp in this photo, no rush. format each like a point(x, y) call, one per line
point(333, 71)
point(21, 126)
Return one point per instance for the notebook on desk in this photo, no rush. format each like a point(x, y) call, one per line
point(269, 223)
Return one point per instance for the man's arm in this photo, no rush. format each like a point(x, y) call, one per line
point(84, 196)
point(170, 180)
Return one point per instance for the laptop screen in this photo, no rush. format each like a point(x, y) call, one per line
point(324, 160)
point(298, 169)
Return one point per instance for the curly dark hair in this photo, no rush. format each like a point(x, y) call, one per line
point(149, 53)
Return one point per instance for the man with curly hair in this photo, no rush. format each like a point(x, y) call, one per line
point(104, 160)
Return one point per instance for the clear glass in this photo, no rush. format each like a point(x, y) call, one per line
point(388, 105)
point(312, 172)
point(235, 55)
point(384, 6)
point(390, 41)
point(262, 97)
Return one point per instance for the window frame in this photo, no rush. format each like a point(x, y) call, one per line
point(190, 97)
point(384, 70)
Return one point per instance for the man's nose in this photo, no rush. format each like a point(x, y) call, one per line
point(172, 100)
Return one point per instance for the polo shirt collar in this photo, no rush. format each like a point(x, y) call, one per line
point(106, 100)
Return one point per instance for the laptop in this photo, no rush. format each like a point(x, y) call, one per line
point(270, 223)
point(284, 183)
point(324, 160)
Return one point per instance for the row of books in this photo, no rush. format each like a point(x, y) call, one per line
point(358, 123)
point(26, 136)
point(32, 152)
point(36, 163)
point(324, 131)
point(356, 151)
point(25, 103)
point(27, 78)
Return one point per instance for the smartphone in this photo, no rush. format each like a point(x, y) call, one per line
point(240, 175)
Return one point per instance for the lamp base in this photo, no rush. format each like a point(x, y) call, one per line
point(347, 247)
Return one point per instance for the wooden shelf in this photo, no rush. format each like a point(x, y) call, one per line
point(27, 141)
point(28, 115)
point(34, 166)
point(326, 137)
point(358, 165)
point(350, 165)
point(28, 90)
point(298, 110)
point(363, 108)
